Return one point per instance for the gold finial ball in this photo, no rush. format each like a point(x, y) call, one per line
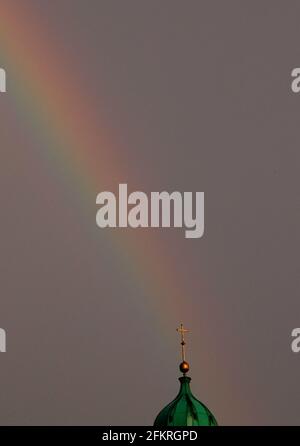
point(184, 367)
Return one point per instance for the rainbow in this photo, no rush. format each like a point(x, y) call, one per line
point(84, 156)
point(46, 93)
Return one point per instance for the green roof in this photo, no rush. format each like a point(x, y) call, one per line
point(185, 410)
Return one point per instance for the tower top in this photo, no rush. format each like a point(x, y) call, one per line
point(184, 365)
point(185, 409)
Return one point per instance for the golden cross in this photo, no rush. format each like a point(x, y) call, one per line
point(181, 330)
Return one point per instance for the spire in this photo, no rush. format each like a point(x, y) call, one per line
point(184, 365)
point(185, 409)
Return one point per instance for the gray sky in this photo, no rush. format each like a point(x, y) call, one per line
point(190, 96)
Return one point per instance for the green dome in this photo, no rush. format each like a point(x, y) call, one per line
point(185, 410)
